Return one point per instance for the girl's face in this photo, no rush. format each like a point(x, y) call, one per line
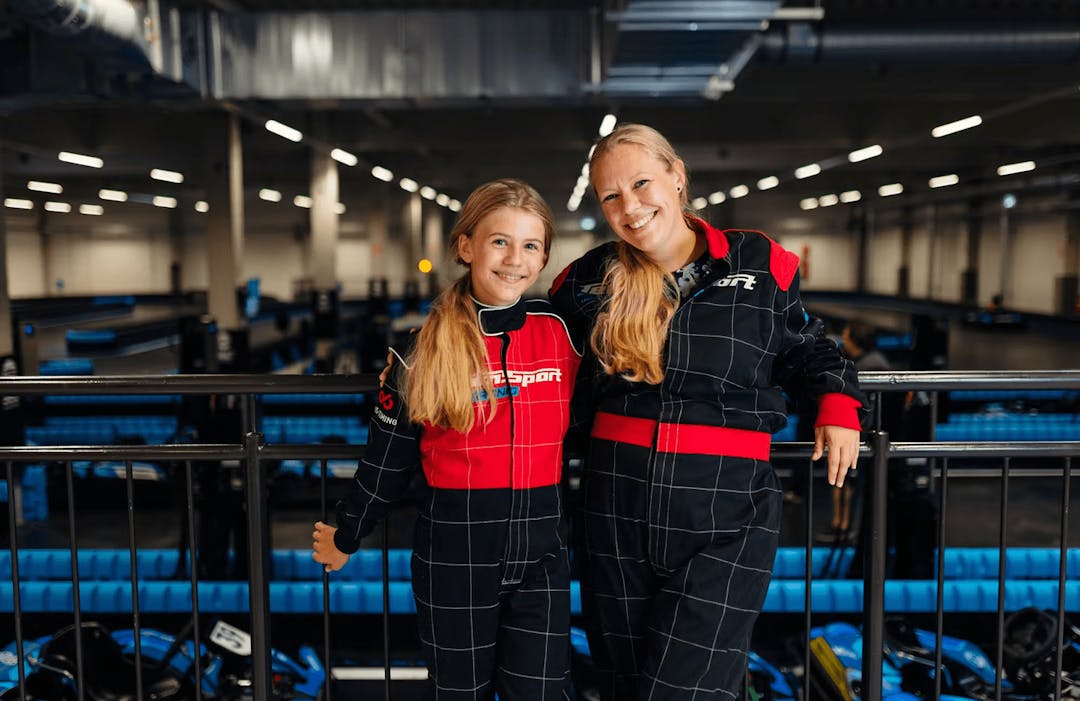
point(505, 253)
point(641, 198)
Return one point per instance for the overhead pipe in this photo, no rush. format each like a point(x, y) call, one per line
point(805, 43)
point(116, 24)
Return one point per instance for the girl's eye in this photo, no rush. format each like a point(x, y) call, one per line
point(498, 242)
point(532, 246)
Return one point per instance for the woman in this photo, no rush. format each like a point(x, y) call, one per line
point(693, 333)
point(481, 403)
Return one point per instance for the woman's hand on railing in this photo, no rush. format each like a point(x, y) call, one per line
point(325, 551)
point(843, 449)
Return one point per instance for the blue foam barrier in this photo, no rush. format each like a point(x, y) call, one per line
point(128, 399)
point(323, 399)
point(312, 429)
point(66, 366)
point(1004, 395)
point(126, 300)
point(832, 596)
point(366, 565)
point(33, 494)
point(91, 430)
point(94, 337)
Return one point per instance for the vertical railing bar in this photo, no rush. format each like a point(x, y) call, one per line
point(258, 586)
point(16, 599)
point(878, 398)
point(129, 478)
point(325, 584)
point(939, 631)
point(386, 601)
point(807, 618)
point(1002, 550)
point(1062, 572)
point(874, 531)
point(196, 638)
point(76, 599)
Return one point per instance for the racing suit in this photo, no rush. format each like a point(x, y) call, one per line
point(681, 506)
point(489, 567)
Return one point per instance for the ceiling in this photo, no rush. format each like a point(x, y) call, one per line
point(744, 89)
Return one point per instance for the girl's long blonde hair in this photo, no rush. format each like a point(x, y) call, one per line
point(629, 334)
point(448, 363)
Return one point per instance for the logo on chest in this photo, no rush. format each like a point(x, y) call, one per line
point(735, 279)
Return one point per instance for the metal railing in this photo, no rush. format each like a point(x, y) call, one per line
point(253, 452)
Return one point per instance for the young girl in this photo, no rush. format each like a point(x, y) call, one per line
point(481, 402)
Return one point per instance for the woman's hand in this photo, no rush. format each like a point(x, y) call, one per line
point(843, 447)
point(325, 552)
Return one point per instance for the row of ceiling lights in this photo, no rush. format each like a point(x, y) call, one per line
point(378, 172)
point(340, 155)
point(810, 170)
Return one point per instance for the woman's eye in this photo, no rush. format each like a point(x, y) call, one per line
point(608, 198)
point(640, 183)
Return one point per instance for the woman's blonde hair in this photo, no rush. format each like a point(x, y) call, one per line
point(448, 363)
point(630, 330)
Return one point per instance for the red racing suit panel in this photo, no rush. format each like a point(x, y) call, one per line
point(533, 365)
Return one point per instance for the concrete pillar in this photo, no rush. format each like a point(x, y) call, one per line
point(1067, 287)
point(322, 254)
point(969, 276)
point(225, 244)
point(861, 224)
point(435, 248)
point(1005, 227)
point(931, 248)
point(903, 274)
point(7, 341)
point(412, 229)
point(11, 431)
point(378, 240)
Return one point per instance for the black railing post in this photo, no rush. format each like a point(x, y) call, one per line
point(258, 570)
point(877, 490)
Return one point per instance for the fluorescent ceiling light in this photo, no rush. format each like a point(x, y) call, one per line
point(344, 157)
point(455, 206)
point(61, 207)
point(163, 201)
point(828, 200)
point(607, 125)
point(699, 203)
point(302, 201)
point(739, 191)
point(1014, 168)
point(169, 176)
point(808, 203)
point(958, 125)
point(428, 193)
point(768, 183)
point(113, 195)
point(339, 208)
point(807, 171)
point(717, 197)
point(202, 206)
point(16, 203)
point(850, 196)
point(890, 189)
point(283, 130)
point(442, 200)
point(39, 186)
point(944, 180)
point(409, 185)
point(93, 210)
point(269, 195)
point(381, 173)
point(865, 153)
point(80, 160)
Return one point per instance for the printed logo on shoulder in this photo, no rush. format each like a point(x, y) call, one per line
point(734, 280)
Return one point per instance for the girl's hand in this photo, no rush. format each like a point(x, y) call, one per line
point(843, 447)
point(325, 552)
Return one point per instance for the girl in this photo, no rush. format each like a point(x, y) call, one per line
point(693, 333)
point(480, 402)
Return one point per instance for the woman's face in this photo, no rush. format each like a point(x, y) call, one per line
point(505, 254)
point(641, 198)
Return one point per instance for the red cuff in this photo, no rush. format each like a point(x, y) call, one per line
point(835, 409)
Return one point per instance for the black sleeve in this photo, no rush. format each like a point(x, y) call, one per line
point(393, 453)
point(809, 364)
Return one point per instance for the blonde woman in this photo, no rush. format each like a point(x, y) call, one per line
point(694, 332)
point(480, 402)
